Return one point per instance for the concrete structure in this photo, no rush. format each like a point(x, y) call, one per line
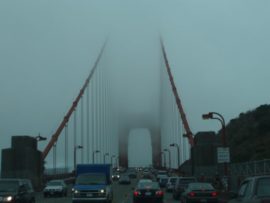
point(205, 154)
point(23, 160)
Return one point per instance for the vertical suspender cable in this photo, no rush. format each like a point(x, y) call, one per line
point(97, 113)
point(75, 129)
point(93, 98)
point(66, 148)
point(87, 126)
point(82, 130)
point(54, 158)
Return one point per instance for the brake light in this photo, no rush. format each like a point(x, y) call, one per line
point(136, 193)
point(191, 194)
point(214, 194)
point(159, 193)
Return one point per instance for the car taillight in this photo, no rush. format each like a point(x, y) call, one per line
point(159, 193)
point(136, 193)
point(214, 194)
point(191, 194)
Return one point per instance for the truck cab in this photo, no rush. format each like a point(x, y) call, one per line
point(93, 183)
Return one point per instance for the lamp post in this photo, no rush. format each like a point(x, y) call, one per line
point(104, 157)
point(178, 153)
point(164, 158)
point(117, 162)
point(169, 152)
point(75, 154)
point(112, 159)
point(93, 155)
point(220, 118)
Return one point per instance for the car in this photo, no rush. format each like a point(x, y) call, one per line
point(16, 190)
point(115, 176)
point(163, 181)
point(132, 175)
point(145, 181)
point(148, 192)
point(199, 192)
point(253, 190)
point(148, 176)
point(171, 183)
point(124, 179)
point(180, 185)
point(55, 188)
point(161, 174)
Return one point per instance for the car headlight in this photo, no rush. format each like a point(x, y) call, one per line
point(76, 191)
point(118, 176)
point(8, 199)
point(102, 191)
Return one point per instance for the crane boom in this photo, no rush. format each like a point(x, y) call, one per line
point(176, 96)
point(73, 107)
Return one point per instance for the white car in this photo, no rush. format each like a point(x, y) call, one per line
point(55, 188)
point(171, 183)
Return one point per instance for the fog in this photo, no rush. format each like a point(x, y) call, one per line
point(218, 51)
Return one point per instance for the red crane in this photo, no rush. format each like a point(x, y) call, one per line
point(177, 98)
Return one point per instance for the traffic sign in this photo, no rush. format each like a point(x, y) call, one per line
point(223, 155)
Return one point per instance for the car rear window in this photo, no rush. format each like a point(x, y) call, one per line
point(263, 187)
point(187, 180)
point(200, 186)
point(145, 185)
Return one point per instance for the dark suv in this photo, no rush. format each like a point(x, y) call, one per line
point(16, 191)
point(180, 185)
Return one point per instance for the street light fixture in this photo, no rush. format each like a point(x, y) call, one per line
point(104, 157)
point(220, 118)
point(167, 150)
point(93, 155)
point(40, 138)
point(178, 153)
point(75, 154)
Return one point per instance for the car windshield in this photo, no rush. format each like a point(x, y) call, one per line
point(173, 180)
point(200, 186)
point(263, 187)
point(8, 186)
point(148, 185)
point(92, 179)
point(54, 183)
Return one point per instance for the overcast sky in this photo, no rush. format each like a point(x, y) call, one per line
point(218, 51)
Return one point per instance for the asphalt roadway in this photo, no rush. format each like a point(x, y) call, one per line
point(122, 194)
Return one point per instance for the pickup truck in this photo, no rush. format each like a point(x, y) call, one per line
point(93, 183)
point(253, 190)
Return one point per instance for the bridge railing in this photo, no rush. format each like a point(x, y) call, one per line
point(260, 167)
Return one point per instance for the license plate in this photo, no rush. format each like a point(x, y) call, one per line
point(148, 193)
point(89, 195)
